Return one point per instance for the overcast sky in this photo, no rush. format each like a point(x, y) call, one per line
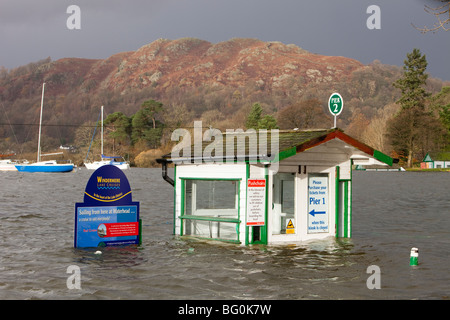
point(31, 30)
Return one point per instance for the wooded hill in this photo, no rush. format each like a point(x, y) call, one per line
point(194, 80)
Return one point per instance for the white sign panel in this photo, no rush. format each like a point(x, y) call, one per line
point(318, 203)
point(256, 202)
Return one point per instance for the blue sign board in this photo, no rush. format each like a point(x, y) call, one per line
point(108, 216)
point(318, 203)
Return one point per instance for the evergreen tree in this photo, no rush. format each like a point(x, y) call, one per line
point(414, 129)
point(441, 104)
point(268, 122)
point(444, 114)
point(413, 80)
point(145, 125)
point(152, 109)
point(255, 121)
point(254, 117)
point(118, 127)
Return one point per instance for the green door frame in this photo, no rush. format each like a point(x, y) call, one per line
point(345, 186)
point(261, 229)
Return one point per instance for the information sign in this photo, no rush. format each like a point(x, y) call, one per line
point(107, 217)
point(256, 202)
point(335, 105)
point(318, 203)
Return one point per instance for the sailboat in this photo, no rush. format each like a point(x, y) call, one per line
point(44, 166)
point(111, 160)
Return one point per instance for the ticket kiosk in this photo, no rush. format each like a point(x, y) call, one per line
point(274, 187)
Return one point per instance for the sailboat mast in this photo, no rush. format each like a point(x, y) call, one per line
point(102, 131)
point(40, 125)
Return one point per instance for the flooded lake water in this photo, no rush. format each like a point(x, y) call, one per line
point(392, 212)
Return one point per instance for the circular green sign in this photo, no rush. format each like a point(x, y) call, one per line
point(335, 104)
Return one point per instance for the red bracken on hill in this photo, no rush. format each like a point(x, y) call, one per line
point(236, 62)
point(190, 62)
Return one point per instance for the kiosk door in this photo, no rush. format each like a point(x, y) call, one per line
point(283, 209)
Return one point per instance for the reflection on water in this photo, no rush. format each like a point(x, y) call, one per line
point(392, 212)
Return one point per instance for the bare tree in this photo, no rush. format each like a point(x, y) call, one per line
point(375, 133)
point(306, 114)
point(442, 14)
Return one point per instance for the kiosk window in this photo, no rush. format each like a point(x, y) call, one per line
point(211, 209)
point(283, 209)
point(287, 196)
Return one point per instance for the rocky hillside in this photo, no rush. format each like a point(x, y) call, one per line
point(237, 63)
point(188, 62)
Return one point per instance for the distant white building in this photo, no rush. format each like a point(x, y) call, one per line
point(441, 162)
point(299, 191)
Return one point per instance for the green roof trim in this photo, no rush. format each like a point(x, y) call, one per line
point(427, 158)
point(382, 157)
point(285, 154)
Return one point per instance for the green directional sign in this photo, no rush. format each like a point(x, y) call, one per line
point(335, 104)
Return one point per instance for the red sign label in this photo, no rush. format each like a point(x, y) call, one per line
point(122, 229)
point(256, 183)
point(256, 202)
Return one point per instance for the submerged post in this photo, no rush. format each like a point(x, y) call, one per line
point(414, 257)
